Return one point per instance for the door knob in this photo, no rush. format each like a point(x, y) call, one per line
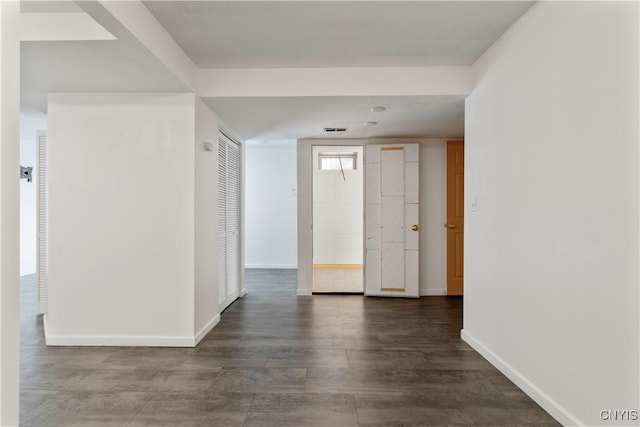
point(450, 225)
point(415, 227)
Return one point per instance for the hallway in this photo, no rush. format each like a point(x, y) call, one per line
point(277, 359)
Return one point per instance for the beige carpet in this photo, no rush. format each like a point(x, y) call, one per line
point(338, 279)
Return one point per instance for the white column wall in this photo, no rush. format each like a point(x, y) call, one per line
point(206, 301)
point(9, 213)
point(551, 252)
point(271, 198)
point(121, 219)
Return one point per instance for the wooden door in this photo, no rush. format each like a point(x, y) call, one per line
point(391, 220)
point(455, 217)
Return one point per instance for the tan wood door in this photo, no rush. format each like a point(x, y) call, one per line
point(455, 217)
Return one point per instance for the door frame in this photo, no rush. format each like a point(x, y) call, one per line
point(305, 206)
point(316, 151)
point(225, 134)
point(446, 216)
point(305, 201)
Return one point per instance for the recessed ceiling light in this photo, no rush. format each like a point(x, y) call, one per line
point(370, 123)
point(378, 109)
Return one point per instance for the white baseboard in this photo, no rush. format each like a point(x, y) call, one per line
point(206, 329)
point(304, 292)
point(116, 340)
point(273, 266)
point(243, 292)
point(119, 341)
point(556, 410)
point(45, 324)
point(432, 292)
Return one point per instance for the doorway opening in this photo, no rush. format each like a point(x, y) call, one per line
point(338, 219)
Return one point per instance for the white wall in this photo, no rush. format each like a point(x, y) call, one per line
point(30, 124)
point(206, 220)
point(433, 236)
point(551, 255)
point(270, 200)
point(9, 213)
point(121, 219)
point(338, 210)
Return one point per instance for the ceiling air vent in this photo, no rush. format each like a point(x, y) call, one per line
point(329, 130)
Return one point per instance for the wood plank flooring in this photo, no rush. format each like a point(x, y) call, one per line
point(280, 360)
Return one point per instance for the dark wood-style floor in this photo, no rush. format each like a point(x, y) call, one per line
point(276, 360)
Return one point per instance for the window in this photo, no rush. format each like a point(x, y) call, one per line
point(337, 161)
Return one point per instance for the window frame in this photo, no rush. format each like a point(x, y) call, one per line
point(338, 155)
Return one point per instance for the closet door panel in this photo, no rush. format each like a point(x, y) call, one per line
point(228, 221)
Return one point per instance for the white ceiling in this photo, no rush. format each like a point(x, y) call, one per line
point(121, 65)
point(274, 34)
point(305, 117)
point(263, 34)
point(76, 66)
point(49, 6)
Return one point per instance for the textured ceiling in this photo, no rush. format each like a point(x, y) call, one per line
point(121, 65)
point(267, 119)
point(268, 34)
point(259, 34)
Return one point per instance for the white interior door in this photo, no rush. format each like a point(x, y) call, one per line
point(228, 221)
point(391, 220)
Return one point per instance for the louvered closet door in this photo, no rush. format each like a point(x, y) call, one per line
point(42, 256)
point(233, 221)
point(222, 221)
point(228, 221)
